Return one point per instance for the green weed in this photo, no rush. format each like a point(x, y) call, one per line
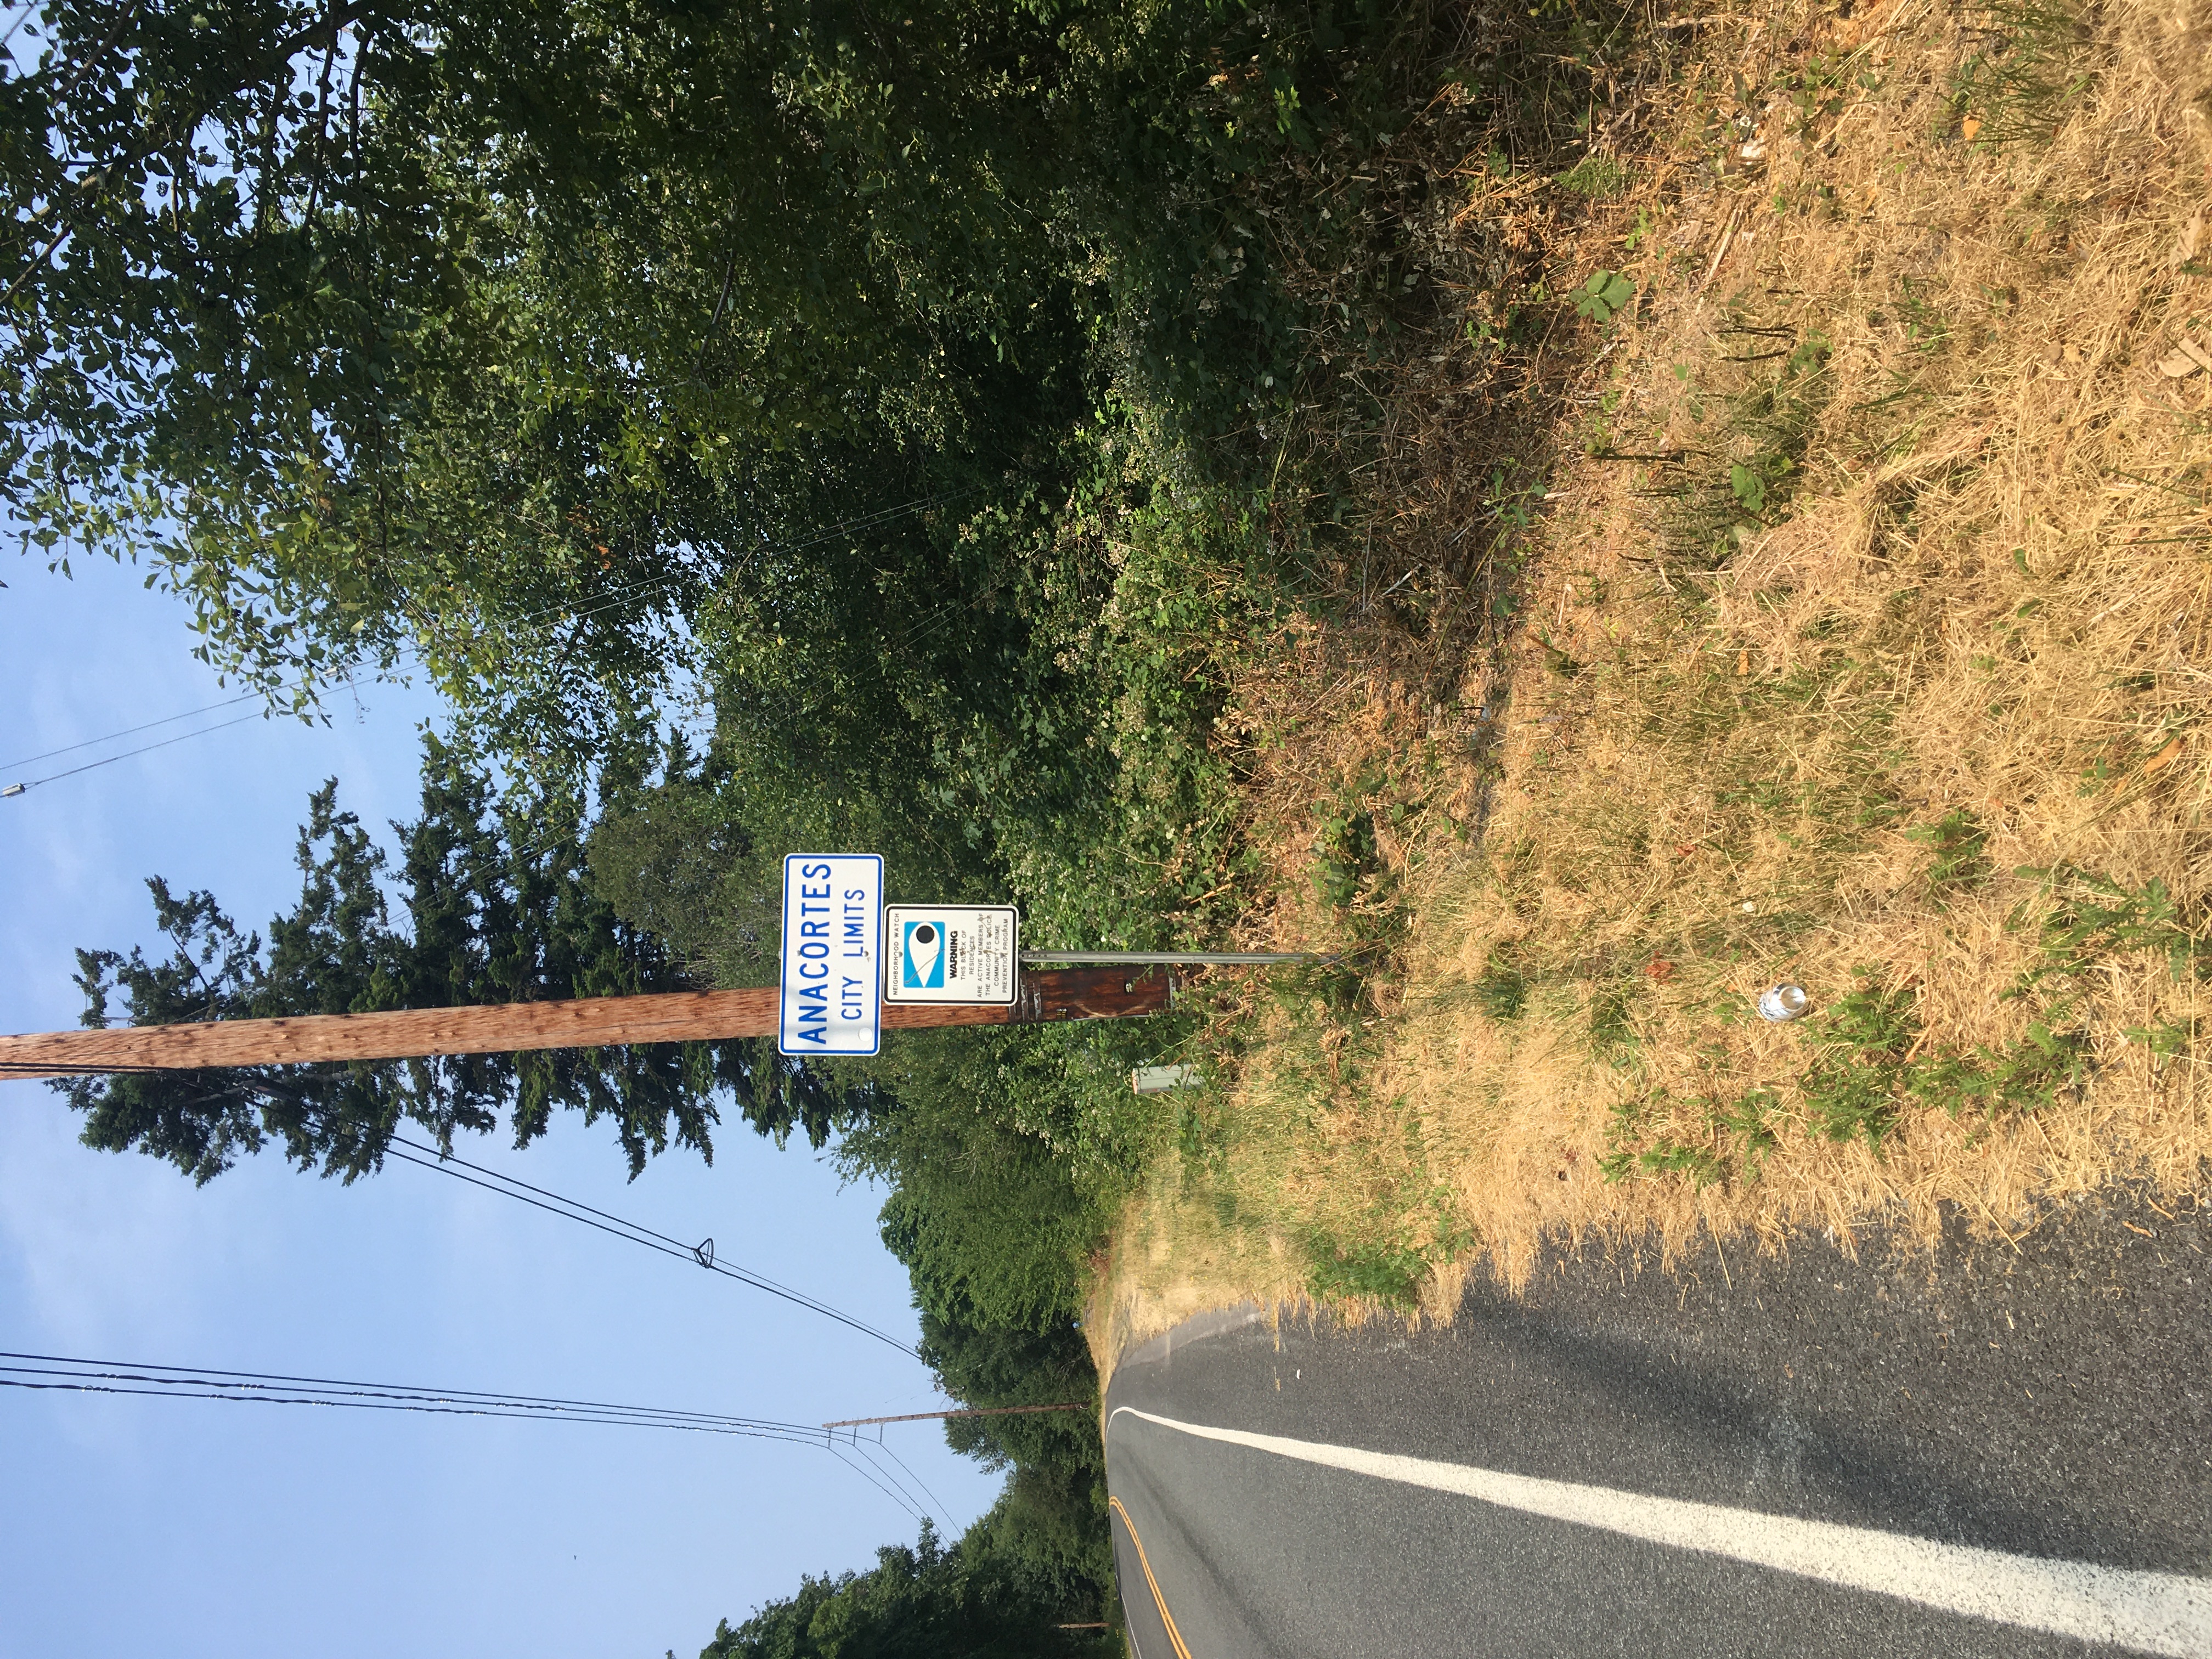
point(2026, 75)
point(1382, 1271)
point(1751, 482)
point(2019, 1077)
point(1749, 1120)
point(1744, 1128)
point(1502, 989)
point(1201, 1136)
point(1598, 177)
point(1754, 459)
point(2096, 918)
point(1746, 1125)
point(1605, 295)
point(1818, 93)
point(1627, 1118)
point(1344, 855)
point(1612, 1025)
point(1926, 330)
point(1870, 1067)
point(1869, 1063)
point(2165, 1040)
point(1854, 1089)
point(1349, 872)
point(1700, 1163)
point(1961, 843)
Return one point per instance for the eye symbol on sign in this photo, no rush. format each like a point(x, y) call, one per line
point(925, 956)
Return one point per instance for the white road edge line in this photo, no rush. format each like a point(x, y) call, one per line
point(2160, 1613)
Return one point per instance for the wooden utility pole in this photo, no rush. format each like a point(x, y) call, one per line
point(1111, 992)
point(964, 1411)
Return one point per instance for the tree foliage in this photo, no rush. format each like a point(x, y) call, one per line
point(973, 1601)
point(507, 335)
point(541, 343)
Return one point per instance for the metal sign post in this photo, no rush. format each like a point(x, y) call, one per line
point(1175, 958)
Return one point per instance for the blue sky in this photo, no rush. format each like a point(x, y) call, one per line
point(131, 1526)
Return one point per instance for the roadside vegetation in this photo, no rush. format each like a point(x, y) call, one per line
point(1858, 605)
point(1572, 515)
point(818, 428)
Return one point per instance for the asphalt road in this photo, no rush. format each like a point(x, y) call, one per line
point(1994, 1450)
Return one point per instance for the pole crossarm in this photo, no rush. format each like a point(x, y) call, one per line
point(1095, 993)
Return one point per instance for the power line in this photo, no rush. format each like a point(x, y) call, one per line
point(539, 1198)
point(873, 1481)
point(127, 731)
point(219, 1392)
point(33, 783)
point(883, 1446)
point(876, 1465)
point(66, 1373)
point(619, 1227)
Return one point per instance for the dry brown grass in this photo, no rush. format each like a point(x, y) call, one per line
point(1979, 594)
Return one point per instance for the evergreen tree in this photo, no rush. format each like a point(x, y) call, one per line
point(971, 1602)
point(493, 911)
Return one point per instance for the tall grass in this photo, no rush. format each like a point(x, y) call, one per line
point(1857, 639)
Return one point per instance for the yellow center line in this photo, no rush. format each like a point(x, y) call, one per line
point(1167, 1619)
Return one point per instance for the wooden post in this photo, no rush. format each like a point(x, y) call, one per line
point(510, 1027)
point(963, 1411)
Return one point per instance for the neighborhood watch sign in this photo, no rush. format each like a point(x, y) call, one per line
point(845, 954)
point(950, 953)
